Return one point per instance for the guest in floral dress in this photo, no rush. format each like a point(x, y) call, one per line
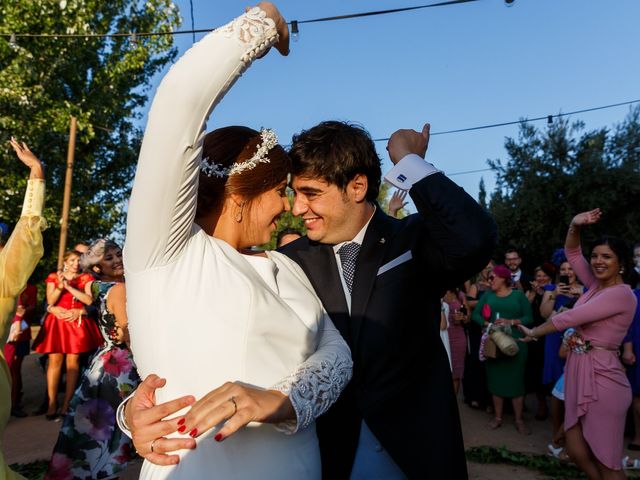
point(597, 392)
point(90, 445)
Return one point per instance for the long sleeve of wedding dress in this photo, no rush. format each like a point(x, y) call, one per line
point(318, 382)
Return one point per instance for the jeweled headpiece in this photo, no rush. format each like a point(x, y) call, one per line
point(269, 140)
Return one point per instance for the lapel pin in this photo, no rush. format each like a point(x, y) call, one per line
point(382, 240)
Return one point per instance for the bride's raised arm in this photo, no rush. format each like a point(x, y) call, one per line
point(163, 200)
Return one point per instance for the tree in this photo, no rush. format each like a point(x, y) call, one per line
point(101, 81)
point(552, 175)
point(482, 194)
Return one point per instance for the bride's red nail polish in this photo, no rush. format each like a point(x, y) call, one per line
point(181, 421)
point(218, 437)
point(182, 428)
point(193, 432)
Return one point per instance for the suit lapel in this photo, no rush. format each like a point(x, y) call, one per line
point(319, 263)
point(369, 260)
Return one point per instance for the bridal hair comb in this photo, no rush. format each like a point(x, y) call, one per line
point(269, 140)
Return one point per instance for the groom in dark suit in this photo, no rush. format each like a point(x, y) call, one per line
point(381, 280)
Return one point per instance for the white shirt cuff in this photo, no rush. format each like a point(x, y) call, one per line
point(411, 169)
point(120, 420)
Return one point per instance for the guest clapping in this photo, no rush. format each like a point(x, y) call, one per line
point(66, 333)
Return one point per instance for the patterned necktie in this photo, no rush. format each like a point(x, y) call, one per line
point(348, 255)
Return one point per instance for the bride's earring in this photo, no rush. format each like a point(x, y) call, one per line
point(239, 214)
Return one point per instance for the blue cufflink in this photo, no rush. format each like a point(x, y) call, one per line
point(401, 178)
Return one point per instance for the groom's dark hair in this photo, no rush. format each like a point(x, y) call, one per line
point(336, 152)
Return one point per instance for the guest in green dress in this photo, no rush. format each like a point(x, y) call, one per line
point(505, 375)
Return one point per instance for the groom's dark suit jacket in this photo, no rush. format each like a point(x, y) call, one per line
point(401, 382)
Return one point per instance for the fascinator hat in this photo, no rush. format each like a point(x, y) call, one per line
point(502, 272)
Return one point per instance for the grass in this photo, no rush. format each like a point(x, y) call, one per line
point(31, 471)
point(548, 466)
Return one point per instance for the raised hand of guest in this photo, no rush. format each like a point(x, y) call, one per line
point(27, 157)
point(587, 218)
point(396, 203)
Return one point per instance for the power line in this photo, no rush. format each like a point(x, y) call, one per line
point(548, 118)
point(384, 12)
point(193, 23)
point(469, 171)
point(14, 36)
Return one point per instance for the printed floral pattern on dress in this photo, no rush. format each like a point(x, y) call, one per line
point(90, 445)
point(575, 342)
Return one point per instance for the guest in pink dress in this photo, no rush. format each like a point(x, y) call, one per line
point(458, 316)
point(597, 392)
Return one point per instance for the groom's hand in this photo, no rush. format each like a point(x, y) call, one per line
point(148, 429)
point(403, 142)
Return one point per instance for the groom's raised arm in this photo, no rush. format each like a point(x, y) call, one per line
point(458, 235)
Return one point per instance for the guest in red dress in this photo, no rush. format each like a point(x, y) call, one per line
point(66, 331)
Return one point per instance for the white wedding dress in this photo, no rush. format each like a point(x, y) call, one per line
point(201, 313)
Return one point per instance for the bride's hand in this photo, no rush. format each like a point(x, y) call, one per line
point(281, 25)
point(587, 218)
point(238, 405)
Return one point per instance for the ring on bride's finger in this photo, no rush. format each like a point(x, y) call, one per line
point(235, 405)
point(152, 445)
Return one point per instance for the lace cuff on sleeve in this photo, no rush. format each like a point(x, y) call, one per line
point(318, 382)
point(253, 29)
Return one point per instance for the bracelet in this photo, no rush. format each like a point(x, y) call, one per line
point(533, 335)
point(121, 416)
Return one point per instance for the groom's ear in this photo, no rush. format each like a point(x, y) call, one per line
point(357, 188)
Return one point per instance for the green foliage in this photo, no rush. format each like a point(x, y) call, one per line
point(552, 175)
point(546, 465)
point(287, 220)
point(101, 81)
point(482, 194)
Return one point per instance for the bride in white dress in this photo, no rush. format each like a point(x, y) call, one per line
point(202, 311)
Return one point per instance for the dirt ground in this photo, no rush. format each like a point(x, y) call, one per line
point(32, 438)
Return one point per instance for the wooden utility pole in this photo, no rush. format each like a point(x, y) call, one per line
point(66, 200)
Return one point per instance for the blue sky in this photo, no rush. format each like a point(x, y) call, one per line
point(456, 66)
